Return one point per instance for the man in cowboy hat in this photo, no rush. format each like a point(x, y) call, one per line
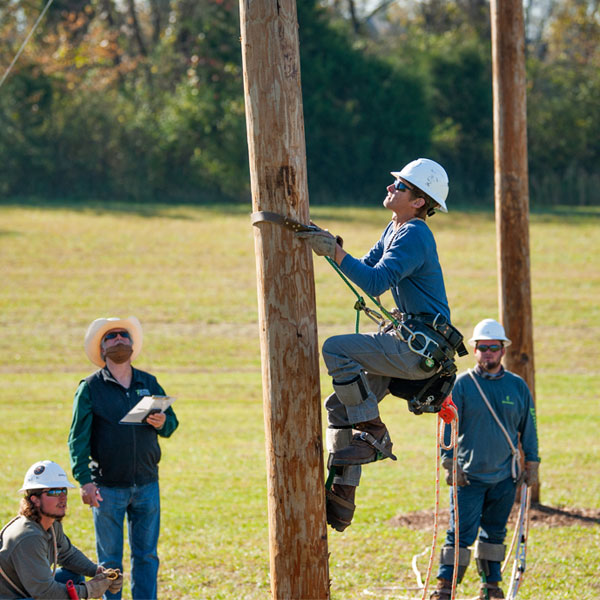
point(35, 539)
point(116, 465)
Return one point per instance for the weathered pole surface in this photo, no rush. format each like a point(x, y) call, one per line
point(286, 299)
point(511, 186)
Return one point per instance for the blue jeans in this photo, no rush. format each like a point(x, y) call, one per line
point(141, 504)
point(480, 505)
point(63, 575)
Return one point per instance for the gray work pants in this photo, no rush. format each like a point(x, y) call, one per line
point(380, 356)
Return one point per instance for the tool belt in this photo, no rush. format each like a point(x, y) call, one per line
point(432, 338)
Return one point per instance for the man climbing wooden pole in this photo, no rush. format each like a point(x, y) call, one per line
point(511, 186)
point(286, 298)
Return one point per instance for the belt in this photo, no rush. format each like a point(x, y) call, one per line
point(440, 325)
point(427, 318)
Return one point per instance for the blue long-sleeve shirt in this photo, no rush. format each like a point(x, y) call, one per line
point(483, 451)
point(405, 262)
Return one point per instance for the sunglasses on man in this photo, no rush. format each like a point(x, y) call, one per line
point(111, 335)
point(490, 347)
point(53, 492)
point(400, 186)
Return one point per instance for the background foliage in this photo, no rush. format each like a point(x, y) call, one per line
point(143, 99)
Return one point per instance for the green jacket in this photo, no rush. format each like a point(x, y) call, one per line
point(109, 453)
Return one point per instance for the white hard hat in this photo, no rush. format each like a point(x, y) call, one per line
point(97, 329)
point(488, 329)
point(429, 176)
point(45, 474)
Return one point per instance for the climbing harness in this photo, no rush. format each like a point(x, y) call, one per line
point(429, 336)
point(20, 51)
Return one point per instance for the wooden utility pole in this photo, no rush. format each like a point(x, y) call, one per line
point(286, 299)
point(511, 186)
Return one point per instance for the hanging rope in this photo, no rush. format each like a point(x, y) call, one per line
point(361, 304)
point(521, 532)
point(448, 415)
point(19, 52)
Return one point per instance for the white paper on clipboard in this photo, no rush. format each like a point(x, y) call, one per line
point(145, 406)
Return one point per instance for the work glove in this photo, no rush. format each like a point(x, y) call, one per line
point(96, 586)
point(461, 476)
point(321, 241)
point(531, 472)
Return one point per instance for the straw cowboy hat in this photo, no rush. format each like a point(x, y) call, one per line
point(98, 329)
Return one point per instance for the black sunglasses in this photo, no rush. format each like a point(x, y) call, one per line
point(492, 347)
point(54, 492)
point(400, 186)
point(111, 335)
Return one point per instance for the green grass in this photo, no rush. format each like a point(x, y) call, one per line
point(188, 273)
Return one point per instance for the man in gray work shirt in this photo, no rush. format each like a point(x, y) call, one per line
point(34, 541)
point(488, 463)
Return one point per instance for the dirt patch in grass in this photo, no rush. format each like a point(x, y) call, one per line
point(539, 515)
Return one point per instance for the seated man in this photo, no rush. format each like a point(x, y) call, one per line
point(33, 541)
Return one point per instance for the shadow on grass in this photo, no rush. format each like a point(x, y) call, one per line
point(539, 514)
point(560, 517)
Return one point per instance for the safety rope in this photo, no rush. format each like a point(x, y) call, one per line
point(361, 304)
point(448, 415)
point(19, 52)
point(522, 531)
point(515, 535)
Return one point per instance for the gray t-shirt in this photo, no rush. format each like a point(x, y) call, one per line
point(27, 556)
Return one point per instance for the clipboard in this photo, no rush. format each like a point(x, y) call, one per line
point(146, 406)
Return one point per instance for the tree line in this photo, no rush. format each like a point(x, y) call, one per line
point(143, 99)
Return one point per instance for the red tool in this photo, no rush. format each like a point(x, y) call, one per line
point(448, 410)
point(71, 591)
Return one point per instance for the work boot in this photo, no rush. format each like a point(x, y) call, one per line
point(339, 505)
point(493, 590)
point(371, 444)
point(443, 590)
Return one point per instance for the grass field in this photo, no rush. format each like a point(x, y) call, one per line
point(188, 273)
